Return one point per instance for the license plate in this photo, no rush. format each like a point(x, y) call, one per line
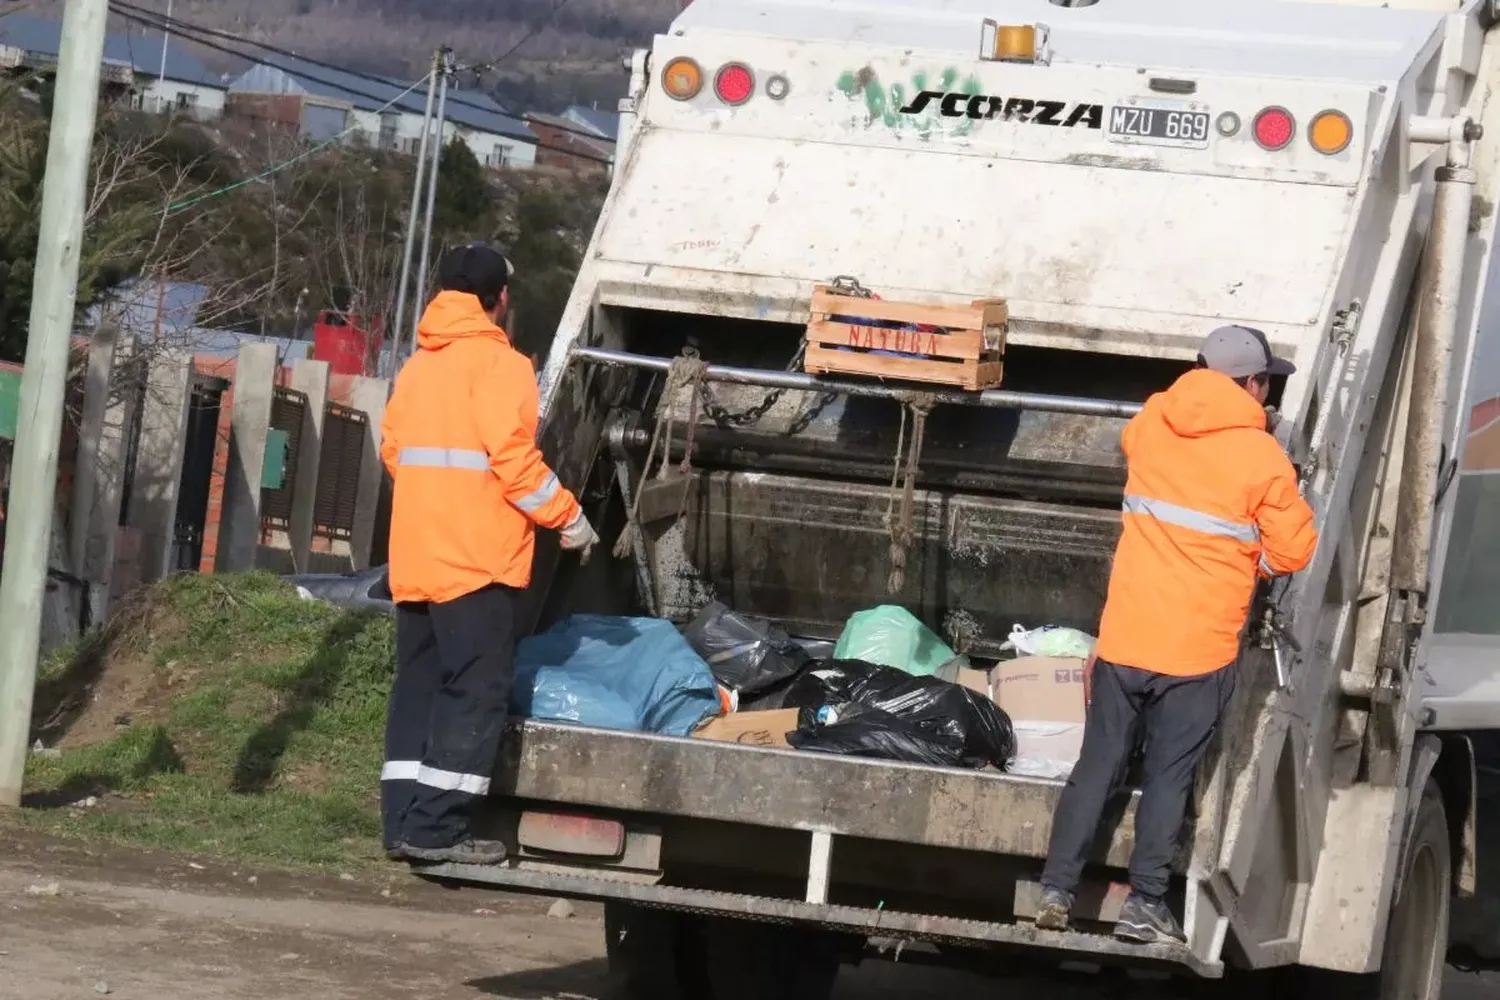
point(1159, 126)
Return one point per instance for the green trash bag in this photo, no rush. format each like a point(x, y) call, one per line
point(893, 637)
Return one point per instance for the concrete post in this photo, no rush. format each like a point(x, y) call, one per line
point(96, 382)
point(158, 463)
point(311, 378)
point(250, 422)
point(368, 395)
point(109, 477)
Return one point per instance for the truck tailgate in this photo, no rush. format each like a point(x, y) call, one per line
point(786, 789)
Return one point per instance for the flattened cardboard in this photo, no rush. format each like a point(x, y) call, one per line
point(756, 729)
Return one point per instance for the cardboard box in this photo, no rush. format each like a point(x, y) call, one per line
point(1040, 688)
point(979, 681)
point(1043, 696)
point(756, 729)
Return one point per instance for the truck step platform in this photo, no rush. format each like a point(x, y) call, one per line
point(850, 919)
point(906, 341)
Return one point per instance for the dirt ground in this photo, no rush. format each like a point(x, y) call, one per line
point(83, 922)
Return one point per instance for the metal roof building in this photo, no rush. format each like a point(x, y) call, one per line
point(289, 75)
point(141, 52)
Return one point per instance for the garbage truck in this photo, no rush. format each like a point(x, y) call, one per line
point(1125, 175)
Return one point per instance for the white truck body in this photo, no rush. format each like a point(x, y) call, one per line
point(892, 151)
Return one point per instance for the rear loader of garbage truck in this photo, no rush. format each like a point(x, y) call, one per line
point(1130, 177)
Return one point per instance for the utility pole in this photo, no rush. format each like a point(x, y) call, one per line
point(166, 33)
point(54, 292)
point(432, 183)
point(398, 328)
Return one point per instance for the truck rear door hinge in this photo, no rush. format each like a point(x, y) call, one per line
point(1346, 324)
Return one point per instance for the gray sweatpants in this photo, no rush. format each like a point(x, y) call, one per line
point(1175, 717)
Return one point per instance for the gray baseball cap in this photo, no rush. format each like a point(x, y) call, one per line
point(1242, 351)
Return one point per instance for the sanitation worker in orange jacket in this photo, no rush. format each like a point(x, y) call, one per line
point(459, 440)
point(1211, 502)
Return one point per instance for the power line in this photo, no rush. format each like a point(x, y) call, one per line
point(557, 9)
point(186, 203)
point(188, 31)
point(162, 22)
point(175, 24)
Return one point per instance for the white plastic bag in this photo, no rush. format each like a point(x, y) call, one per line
point(1050, 640)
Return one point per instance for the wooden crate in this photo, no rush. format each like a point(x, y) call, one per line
point(969, 353)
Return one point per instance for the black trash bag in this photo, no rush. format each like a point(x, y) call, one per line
point(367, 590)
point(889, 714)
point(748, 655)
point(769, 699)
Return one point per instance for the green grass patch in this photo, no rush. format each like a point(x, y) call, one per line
point(221, 715)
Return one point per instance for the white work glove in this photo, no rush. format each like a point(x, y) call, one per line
point(578, 535)
point(1273, 420)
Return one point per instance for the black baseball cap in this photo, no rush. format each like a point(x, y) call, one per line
point(1242, 351)
point(476, 268)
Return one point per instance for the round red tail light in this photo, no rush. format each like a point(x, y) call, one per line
point(734, 84)
point(1274, 128)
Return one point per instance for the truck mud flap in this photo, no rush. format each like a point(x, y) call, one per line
point(883, 923)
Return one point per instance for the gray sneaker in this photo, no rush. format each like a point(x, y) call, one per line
point(465, 852)
point(1144, 921)
point(1052, 913)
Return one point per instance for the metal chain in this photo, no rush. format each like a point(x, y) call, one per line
point(726, 418)
point(810, 414)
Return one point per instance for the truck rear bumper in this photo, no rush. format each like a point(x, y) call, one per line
point(785, 789)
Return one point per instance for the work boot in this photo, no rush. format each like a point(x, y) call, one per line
point(466, 852)
point(396, 852)
point(1146, 921)
point(1052, 913)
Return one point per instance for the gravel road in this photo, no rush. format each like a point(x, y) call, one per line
point(83, 923)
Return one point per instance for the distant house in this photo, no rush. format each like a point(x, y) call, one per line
point(562, 143)
point(320, 103)
point(605, 124)
point(170, 312)
point(134, 69)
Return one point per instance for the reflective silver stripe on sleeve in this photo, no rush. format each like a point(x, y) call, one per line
point(1193, 520)
point(534, 500)
point(1265, 567)
point(444, 458)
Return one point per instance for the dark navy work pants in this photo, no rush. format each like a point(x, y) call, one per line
point(455, 662)
point(1174, 717)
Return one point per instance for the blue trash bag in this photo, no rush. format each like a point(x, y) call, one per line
point(636, 674)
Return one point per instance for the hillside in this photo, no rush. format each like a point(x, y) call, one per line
point(221, 715)
point(575, 57)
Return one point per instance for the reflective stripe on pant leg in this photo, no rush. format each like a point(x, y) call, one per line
point(453, 781)
point(476, 641)
point(419, 672)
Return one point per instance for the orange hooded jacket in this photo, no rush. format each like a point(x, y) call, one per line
point(1210, 500)
point(459, 440)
